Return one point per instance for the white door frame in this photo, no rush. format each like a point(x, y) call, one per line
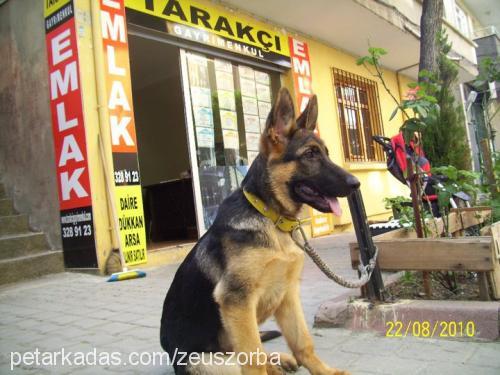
point(200, 221)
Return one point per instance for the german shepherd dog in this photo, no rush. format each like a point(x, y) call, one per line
point(245, 269)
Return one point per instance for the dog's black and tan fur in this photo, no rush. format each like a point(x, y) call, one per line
point(244, 269)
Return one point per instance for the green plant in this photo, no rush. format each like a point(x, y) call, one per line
point(445, 140)
point(494, 201)
point(495, 207)
point(458, 180)
point(396, 202)
point(430, 110)
point(420, 103)
point(408, 278)
point(489, 71)
point(401, 209)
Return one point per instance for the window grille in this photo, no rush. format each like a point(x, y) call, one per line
point(359, 115)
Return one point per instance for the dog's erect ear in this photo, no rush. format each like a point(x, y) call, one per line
point(309, 118)
point(281, 121)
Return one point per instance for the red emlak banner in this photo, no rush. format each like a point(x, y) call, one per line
point(67, 117)
point(120, 105)
point(77, 229)
point(301, 71)
point(321, 224)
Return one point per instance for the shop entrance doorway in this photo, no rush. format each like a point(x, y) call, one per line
point(198, 121)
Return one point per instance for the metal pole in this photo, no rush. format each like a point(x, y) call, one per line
point(375, 287)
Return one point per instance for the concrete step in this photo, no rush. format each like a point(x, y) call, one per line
point(16, 245)
point(13, 224)
point(30, 266)
point(6, 207)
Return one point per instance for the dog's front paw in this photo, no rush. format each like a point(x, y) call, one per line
point(288, 362)
point(274, 370)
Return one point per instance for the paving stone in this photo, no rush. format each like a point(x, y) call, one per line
point(373, 345)
point(126, 317)
point(144, 333)
point(101, 314)
point(428, 351)
point(81, 312)
point(486, 354)
point(63, 319)
point(449, 368)
point(71, 332)
point(386, 365)
point(116, 328)
point(88, 323)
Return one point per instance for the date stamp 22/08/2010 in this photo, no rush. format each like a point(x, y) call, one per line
point(429, 329)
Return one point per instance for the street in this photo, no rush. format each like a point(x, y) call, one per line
point(83, 313)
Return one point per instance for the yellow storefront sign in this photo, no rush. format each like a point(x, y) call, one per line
point(51, 6)
point(131, 224)
point(215, 20)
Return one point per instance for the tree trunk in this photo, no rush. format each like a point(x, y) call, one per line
point(430, 25)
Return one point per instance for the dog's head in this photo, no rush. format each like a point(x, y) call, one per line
point(299, 168)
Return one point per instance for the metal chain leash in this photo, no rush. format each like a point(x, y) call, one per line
point(365, 270)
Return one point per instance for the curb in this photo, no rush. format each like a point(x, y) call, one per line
point(469, 320)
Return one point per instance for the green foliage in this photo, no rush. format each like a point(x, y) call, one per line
point(373, 57)
point(495, 207)
point(408, 278)
point(495, 202)
point(430, 107)
point(396, 202)
point(420, 102)
point(489, 71)
point(445, 137)
point(458, 180)
point(403, 211)
point(496, 167)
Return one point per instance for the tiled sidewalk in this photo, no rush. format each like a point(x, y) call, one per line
point(83, 313)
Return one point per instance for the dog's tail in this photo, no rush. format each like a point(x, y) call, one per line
point(269, 335)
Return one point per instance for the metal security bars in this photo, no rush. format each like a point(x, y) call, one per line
point(359, 115)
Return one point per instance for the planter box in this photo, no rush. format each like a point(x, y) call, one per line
point(400, 250)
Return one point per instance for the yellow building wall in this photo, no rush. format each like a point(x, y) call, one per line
point(376, 182)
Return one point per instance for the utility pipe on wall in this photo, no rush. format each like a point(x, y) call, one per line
point(102, 108)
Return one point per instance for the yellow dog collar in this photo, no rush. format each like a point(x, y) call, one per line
point(283, 223)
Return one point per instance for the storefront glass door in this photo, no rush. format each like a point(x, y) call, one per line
point(226, 109)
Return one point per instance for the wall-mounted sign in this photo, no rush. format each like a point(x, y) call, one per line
point(321, 223)
point(69, 135)
point(128, 192)
point(216, 27)
point(301, 72)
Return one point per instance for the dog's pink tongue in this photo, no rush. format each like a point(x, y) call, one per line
point(334, 206)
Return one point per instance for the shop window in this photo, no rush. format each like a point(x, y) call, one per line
point(230, 104)
point(359, 116)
